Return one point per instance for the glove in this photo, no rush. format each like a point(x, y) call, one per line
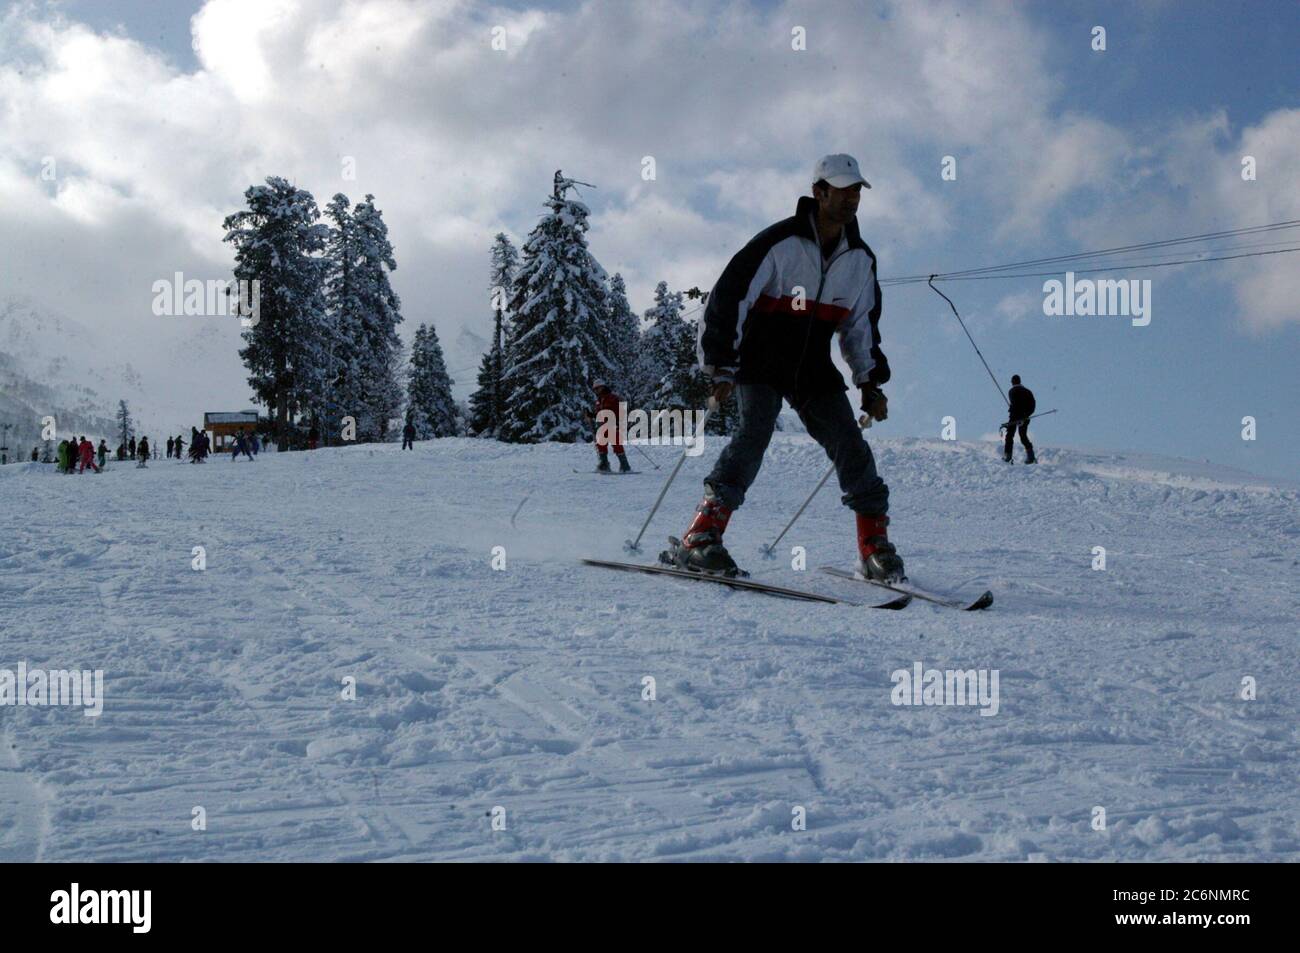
point(723, 381)
point(874, 402)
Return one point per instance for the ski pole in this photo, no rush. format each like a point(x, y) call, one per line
point(646, 455)
point(1027, 419)
point(634, 545)
point(769, 550)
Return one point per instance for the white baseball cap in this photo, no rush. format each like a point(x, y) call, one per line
point(839, 170)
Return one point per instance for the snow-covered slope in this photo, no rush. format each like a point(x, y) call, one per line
point(522, 688)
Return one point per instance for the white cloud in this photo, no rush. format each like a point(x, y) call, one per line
point(1017, 307)
point(458, 141)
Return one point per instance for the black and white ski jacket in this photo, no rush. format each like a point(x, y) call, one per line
point(771, 315)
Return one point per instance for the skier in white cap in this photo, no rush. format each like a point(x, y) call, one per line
point(766, 333)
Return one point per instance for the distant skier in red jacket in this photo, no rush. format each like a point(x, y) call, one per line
point(606, 399)
point(86, 450)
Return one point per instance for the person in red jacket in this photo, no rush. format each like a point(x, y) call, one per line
point(606, 399)
point(86, 450)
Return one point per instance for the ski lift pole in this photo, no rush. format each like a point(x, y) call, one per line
point(1005, 399)
point(634, 545)
point(768, 550)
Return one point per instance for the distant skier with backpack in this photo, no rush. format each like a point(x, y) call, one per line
point(766, 332)
point(1020, 409)
point(606, 399)
point(142, 451)
point(180, 448)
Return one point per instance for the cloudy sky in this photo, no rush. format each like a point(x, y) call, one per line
point(157, 114)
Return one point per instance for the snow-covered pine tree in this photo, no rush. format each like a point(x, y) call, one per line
point(625, 338)
point(365, 312)
point(667, 364)
point(125, 426)
point(482, 422)
point(657, 345)
point(487, 404)
point(276, 240)
point(429, 403)
point(556, 341)
point(695, 386)
point(682, 385)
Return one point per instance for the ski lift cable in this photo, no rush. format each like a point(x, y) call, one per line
point(1116, 267)
point(1254, 229)
point(1284, 244)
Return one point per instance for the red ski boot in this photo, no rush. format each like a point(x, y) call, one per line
point(877, 558)
point(701, 549)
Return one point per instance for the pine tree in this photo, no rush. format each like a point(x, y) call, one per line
point(125, 425)
point(557, 335)
point(276, 240)
point(682, 386)
point(487, 404)
point(625, 338)
point(659, 344)
point(365, 311)
point(668, 364)
point(430, 405)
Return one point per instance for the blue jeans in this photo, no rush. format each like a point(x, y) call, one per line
point(830, 421)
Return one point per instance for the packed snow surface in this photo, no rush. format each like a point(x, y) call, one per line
point(522, 688)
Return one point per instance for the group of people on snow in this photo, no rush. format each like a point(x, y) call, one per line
point(76, 454)
point(80, 452)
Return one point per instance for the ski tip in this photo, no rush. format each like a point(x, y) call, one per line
point(983, 602)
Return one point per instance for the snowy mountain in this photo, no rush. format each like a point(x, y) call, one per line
point(521, 688)
point(53, 365)
point(463, 355)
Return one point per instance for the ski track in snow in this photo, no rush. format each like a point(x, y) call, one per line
point(522, 688)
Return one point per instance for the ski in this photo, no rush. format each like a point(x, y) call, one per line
point(612, 472)
point(739, 582)
point(983, 602)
